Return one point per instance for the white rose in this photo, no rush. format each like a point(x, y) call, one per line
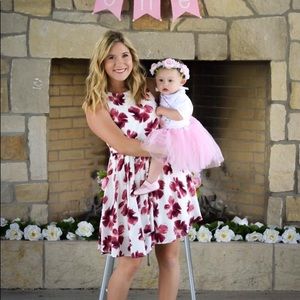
point(254, 237)
point(14, 232)
point(240, 221)
point(71, 236)
point(238, 237)
point(192, 234)
point(69, 220)
point(52, 233)
point(204, 235)
point(219, 223)
point(258, 224)
point(32, 233)
point(224, 234)
point(271, 236)
point(3, 222)
point(16, 220)
point(84, 229)
point(290, 236)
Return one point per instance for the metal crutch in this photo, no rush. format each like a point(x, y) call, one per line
point(188, 256)
point(109, 265)
point(108, 269)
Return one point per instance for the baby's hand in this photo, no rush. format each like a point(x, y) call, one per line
point(159, 111)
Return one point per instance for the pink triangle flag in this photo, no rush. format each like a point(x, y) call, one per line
point(143, 7)
point(114, 6)
point(179, 7)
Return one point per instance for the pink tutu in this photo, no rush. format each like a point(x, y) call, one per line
point(189, 148)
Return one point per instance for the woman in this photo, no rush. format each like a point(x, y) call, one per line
point(120, 111)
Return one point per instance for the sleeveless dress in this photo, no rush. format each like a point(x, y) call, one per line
point(131, 225)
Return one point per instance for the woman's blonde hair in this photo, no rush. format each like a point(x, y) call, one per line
point(97, 80)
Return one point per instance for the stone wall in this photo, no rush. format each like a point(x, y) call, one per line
point(217, 266)
point(36, 31)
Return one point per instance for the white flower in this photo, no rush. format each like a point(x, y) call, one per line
point(71, 236)
point(84, 229)
point(204, 235)
point(271, 236)
point(290, 236)
point(254, 237)
point(52, 233)
point(14, 232)
point(219, 223)
point(69, 220)
point(238, 237)
point(258, 224)
point(192, 234)
point(16, 220)
point(224, 234)
point(32, 233)
point(3, 222)
point(240, 221)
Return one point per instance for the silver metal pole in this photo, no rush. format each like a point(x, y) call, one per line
point(108, 269)
point(190, 266)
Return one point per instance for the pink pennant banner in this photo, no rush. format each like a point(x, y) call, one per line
point(114, 6)
point(143, 7)
point(179, 7)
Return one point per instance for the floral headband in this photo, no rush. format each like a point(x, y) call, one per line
point(170, 63)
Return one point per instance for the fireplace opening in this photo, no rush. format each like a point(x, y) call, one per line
point(230, 100)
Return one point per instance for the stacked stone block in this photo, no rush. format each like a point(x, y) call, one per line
point(35, 32)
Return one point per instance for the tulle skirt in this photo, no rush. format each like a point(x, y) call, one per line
point(189, 148)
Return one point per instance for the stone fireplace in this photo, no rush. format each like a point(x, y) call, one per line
point(245, 85)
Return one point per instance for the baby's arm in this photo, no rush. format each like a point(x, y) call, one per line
point(170, 113)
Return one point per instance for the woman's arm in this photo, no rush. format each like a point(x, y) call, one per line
point(102, 125)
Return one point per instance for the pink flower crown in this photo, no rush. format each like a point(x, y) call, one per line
point(170, 63)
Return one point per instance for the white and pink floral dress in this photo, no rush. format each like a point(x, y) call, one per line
point(131, 225)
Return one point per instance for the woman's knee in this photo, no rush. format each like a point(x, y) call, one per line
point(129, 265)
point(168, 257)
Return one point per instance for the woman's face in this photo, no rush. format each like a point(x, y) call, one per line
point(118, 63)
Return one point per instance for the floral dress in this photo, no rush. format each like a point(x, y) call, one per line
point(131, 225)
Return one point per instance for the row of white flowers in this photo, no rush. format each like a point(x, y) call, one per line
point(205, 234)
point(225, 234)
point(51, 233)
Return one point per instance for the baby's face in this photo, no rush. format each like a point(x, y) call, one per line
point(168, 81)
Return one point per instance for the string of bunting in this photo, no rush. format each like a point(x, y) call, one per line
point(149, 7)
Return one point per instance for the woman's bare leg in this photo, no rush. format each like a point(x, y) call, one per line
point(122, 277)
point(169, 270)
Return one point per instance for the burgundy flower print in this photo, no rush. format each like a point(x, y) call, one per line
point(139, 165)
point(190, 185)
point(117, 99)
point(138, 114)
point(160, 233)
point(137, 254)
point(190, 207)
point(107, 244)
point(151, 126)
point(131, 134)
point(130, 213)
point(167, 169)
point(159, 193)
point(128, 173)
point(180, 228)
point(177, 186)
point(119, 118)
point(120, 164)
point(173, 208)
point(109, 218)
